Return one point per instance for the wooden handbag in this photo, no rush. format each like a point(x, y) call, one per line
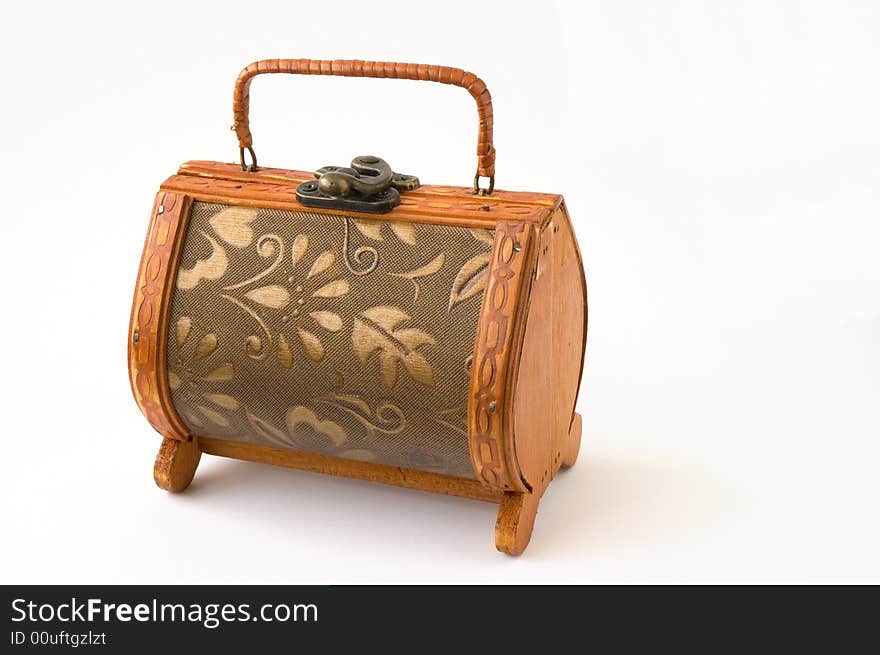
point(355, 322)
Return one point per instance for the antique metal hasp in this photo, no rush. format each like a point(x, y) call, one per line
point(368, 185)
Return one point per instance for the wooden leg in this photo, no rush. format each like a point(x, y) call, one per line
point(573, 442)
point(516, 518)
point(176, 463)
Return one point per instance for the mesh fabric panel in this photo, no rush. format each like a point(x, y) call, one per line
point(327, 334)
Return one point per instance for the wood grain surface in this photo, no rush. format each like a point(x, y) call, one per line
point(147, 332)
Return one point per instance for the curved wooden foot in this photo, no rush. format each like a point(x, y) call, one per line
point(573, 442)
point(176, 463)
point(516, 518)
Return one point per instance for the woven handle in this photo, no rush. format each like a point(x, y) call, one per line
point(349, 68)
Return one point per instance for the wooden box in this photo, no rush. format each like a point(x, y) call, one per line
point(438, 345)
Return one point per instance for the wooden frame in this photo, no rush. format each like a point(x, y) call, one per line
point(527, 359)
point(149, 314)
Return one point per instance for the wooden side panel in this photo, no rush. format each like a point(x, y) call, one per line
point(149, 314)
point(534, 392)
point(570, 331)
point(551, 361)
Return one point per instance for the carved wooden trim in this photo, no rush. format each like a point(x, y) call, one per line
point(499, 331)
point(293, 178)
point(452, 210)
point(400, 477)
point(442, 205)
point(147, 333)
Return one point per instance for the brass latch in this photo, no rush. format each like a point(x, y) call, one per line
point(368, 185)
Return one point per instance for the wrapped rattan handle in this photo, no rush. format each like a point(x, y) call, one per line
point(353, 68)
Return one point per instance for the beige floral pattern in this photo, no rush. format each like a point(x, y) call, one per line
point(196, 377)
point(310, 285)
point(305, 431)
point(339, 336)
point(372, 229)
point(375, 329)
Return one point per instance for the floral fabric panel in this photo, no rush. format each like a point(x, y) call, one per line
point(327, 334)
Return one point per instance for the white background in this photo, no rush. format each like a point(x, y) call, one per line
point(722, 165)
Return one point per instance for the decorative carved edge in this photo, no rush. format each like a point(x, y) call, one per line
point(147, 332)
point(438, 205)
point(233, 172)
point(499, 337)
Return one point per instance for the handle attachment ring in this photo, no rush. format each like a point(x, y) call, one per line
point(248, 168)
point(478, 190)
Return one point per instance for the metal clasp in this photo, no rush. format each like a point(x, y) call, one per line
point(368, 185)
